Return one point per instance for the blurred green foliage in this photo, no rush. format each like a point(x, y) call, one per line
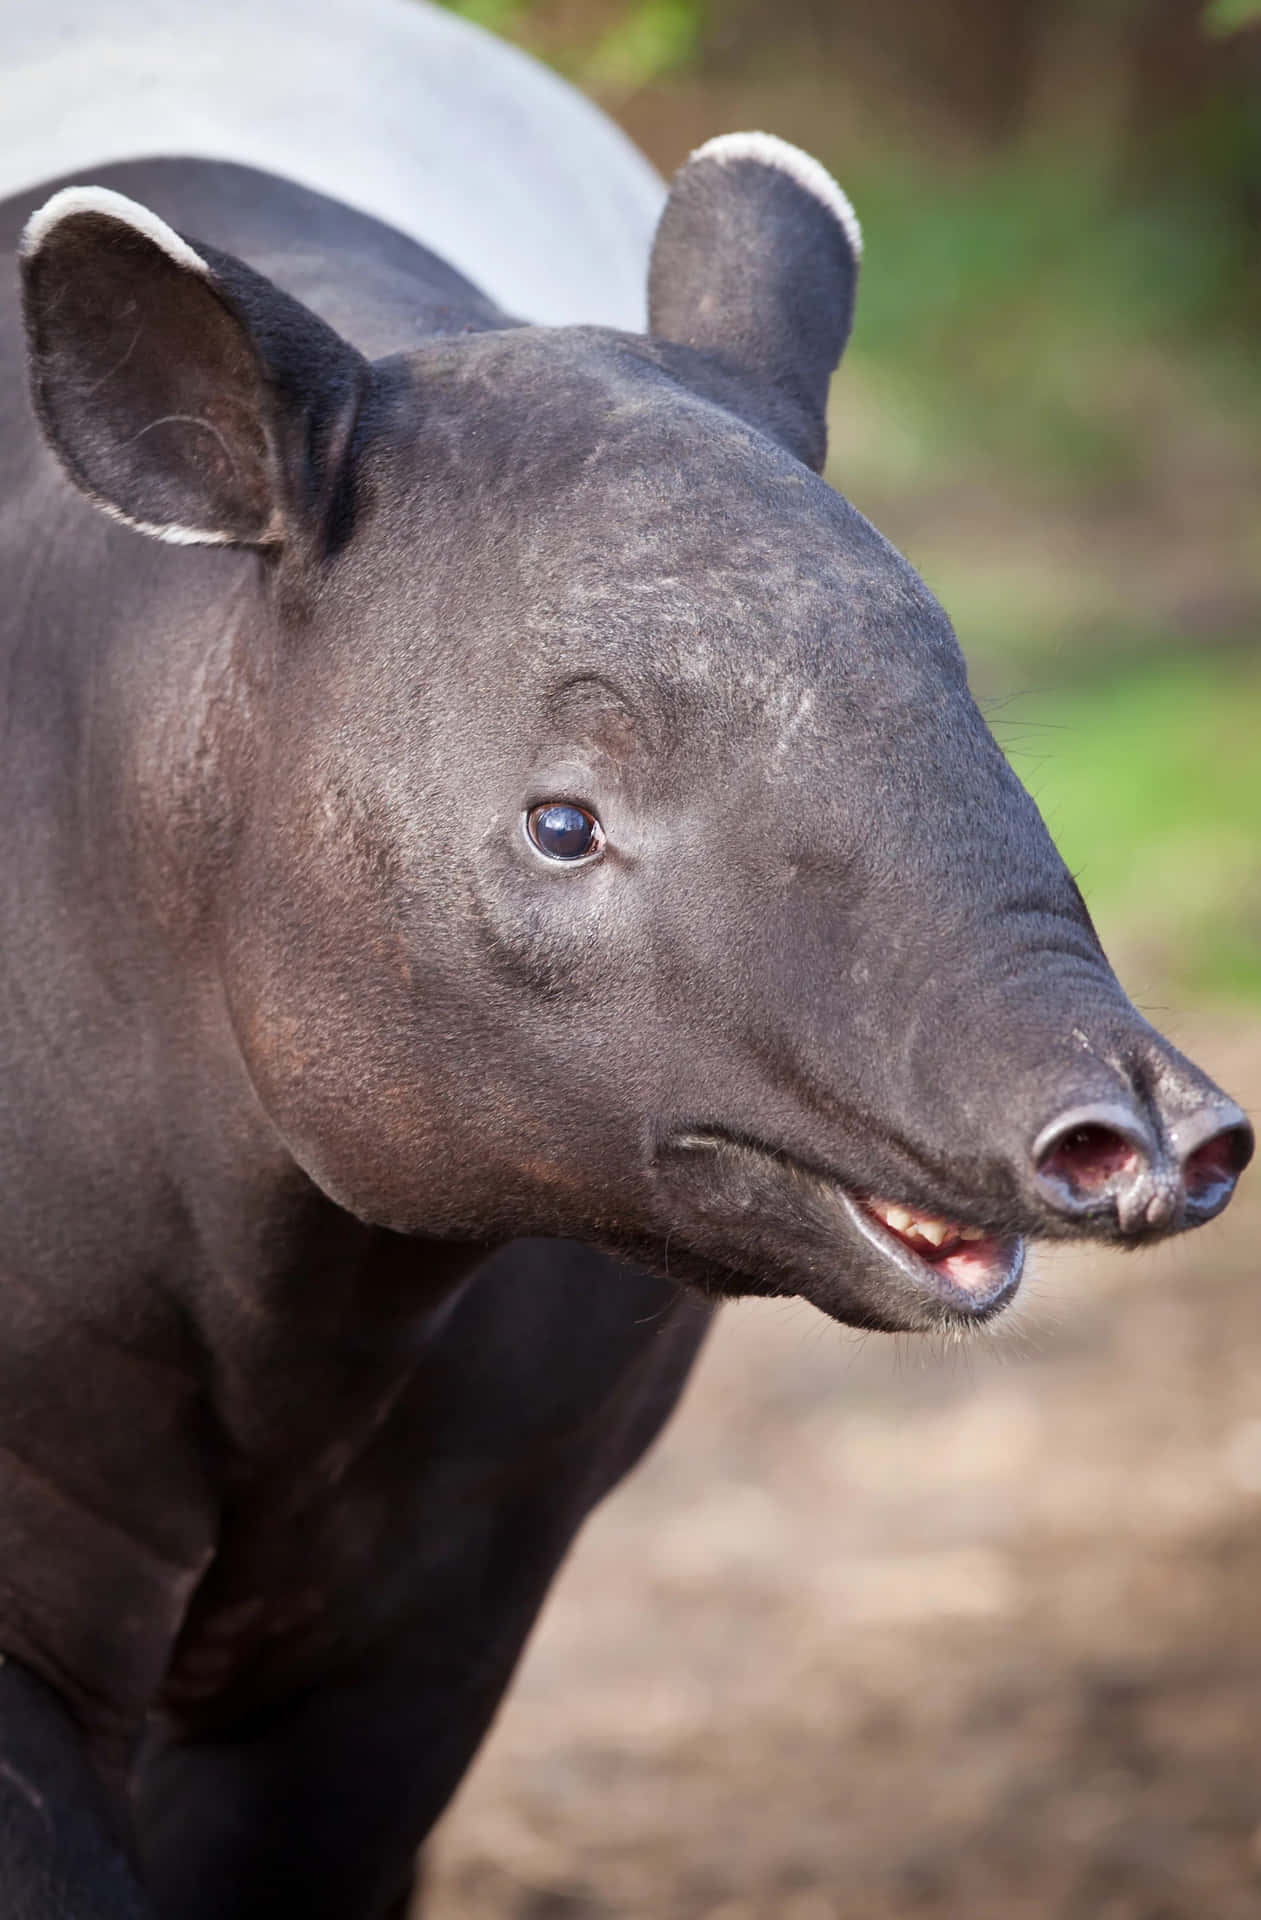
point(656, 37)
point(1029, 319)
point(1229, 16)
point(1150, 781)
point(626, 48)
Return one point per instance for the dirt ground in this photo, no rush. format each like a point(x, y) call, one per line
point(882, 1630)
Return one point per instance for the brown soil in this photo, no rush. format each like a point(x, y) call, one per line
point(882, 1630)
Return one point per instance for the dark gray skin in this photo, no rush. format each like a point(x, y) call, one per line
point(300, 1026)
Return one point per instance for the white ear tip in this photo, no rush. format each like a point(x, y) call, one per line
point(770, 151)
point(115, 206)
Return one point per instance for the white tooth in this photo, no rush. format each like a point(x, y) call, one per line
point(899, 1218)
point(972, 1233)
point(934, 1230)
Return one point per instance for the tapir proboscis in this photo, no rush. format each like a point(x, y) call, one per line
point(479, 810)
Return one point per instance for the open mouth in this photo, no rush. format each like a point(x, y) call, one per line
point(925, 1269)
point(972, 1269)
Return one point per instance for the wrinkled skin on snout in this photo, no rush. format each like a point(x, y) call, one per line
point(828, 950)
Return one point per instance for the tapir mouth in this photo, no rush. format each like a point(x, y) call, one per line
point(928, 1270)
point(973, 1271)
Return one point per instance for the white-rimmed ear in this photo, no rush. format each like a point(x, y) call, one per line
point(756, 262)
point(181, 392)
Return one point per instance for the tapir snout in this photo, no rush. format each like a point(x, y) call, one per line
point(1147, 1162)
point(905, 1223)
point(920, 1090)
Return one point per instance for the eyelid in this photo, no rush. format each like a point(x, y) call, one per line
point(562, 783)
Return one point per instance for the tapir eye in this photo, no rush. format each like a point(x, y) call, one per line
point(564, 832)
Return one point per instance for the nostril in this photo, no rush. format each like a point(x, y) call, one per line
point(1090, 1157)
point(1211, 1170)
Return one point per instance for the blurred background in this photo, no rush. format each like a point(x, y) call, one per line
point(885, 1629)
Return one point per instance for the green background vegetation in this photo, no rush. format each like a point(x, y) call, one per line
point(1053, 397)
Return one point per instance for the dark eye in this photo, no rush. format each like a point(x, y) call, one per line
point(563, 832)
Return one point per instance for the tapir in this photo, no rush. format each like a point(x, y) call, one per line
point(499, 857)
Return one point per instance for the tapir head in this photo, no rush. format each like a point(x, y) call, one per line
point(616, 850)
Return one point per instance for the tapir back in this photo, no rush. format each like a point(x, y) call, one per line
point(390, 106)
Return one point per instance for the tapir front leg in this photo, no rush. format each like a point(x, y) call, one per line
point(313, 1811)
point(60, 1856)
point(554, 1372)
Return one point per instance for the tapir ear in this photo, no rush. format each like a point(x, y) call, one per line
point(756, 262)
point(182, 392)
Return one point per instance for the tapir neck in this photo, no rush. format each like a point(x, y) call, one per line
point(133, 731)
point(136, 678)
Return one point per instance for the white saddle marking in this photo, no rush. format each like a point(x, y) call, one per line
point(392, 106)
